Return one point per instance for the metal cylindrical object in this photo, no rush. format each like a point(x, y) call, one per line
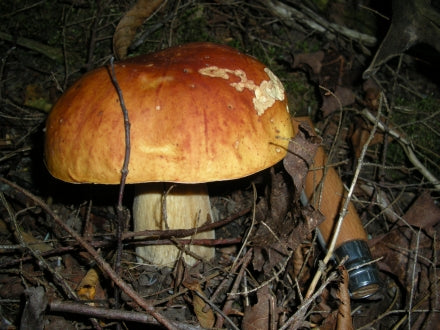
point(325, 191)
point(363, 275)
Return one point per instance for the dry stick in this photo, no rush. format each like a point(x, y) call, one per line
point(95, 255)
point(154, 233)
point(124, 170)
point(412, 310)
point(229, 300)
point(332, 147)
point(413, 275)
point(407, 148)
point(92, 37)
point(124, 173)
point(68, 291)
point(109, 314)
point(214, 307)
point(183, 290)
point(435, 272)
point(274, 277)
point(71, 294)
point(254, 209)
point(226, 280)
point(343, 212)
point(306, 17)
point(185, 232)
point(387, 312)
point(301, 312)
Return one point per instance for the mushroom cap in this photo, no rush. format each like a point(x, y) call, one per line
point(199, 112)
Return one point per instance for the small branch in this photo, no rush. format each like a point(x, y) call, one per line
point(214, 307)
point(331, 247)
point(306, 17)
point(110, 314)
point(105, 267)
point(149, 234)
point(48, 51)
point(124, 172)
point(299, 316)
point(413, 276)
point(59, 279)
point(230, 299)
point(254, 209)
point(185, 232)
point(407, 148)
point(68, 291)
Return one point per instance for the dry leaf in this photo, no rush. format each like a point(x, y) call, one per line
point(301, 152)
point(344, 312)
point(35, 243)
point(204, 313)
point(423, 213)
point(396, 248)
point(341, 97)
point(312, 60)
point(258, 316)
point(372, 94)
point(277, 231)
point(126, 29)
point(87, 287)
point(360, 132)
point(271, 215)
point(280, 202)
point(33, 312)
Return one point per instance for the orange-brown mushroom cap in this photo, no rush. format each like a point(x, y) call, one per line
point(199, 112)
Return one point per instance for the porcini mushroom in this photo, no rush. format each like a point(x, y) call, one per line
point(199, 112)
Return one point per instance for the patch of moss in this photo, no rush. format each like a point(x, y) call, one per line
point(305, 46)
point(420, 121)
point(192, 26)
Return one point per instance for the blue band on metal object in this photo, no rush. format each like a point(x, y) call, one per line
point(364, 278)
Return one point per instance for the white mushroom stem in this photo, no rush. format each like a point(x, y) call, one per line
point(186, 206)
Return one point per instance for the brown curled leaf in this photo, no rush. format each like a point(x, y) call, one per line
point(259, 315)
point(301, 152)
point(127, 26)
point(87, 287)
point(342, 96)
point(344, 312)
point(204, 313)
point(311, 60)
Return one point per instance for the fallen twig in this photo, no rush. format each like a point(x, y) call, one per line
point(111, 314)
point(344, 209)
point(297, 319)
point(406, 145)
point(105, 267)
point(307, 17)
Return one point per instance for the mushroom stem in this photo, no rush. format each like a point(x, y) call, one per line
point(186, 206)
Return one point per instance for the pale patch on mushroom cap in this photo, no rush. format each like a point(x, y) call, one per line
point(266, 93)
